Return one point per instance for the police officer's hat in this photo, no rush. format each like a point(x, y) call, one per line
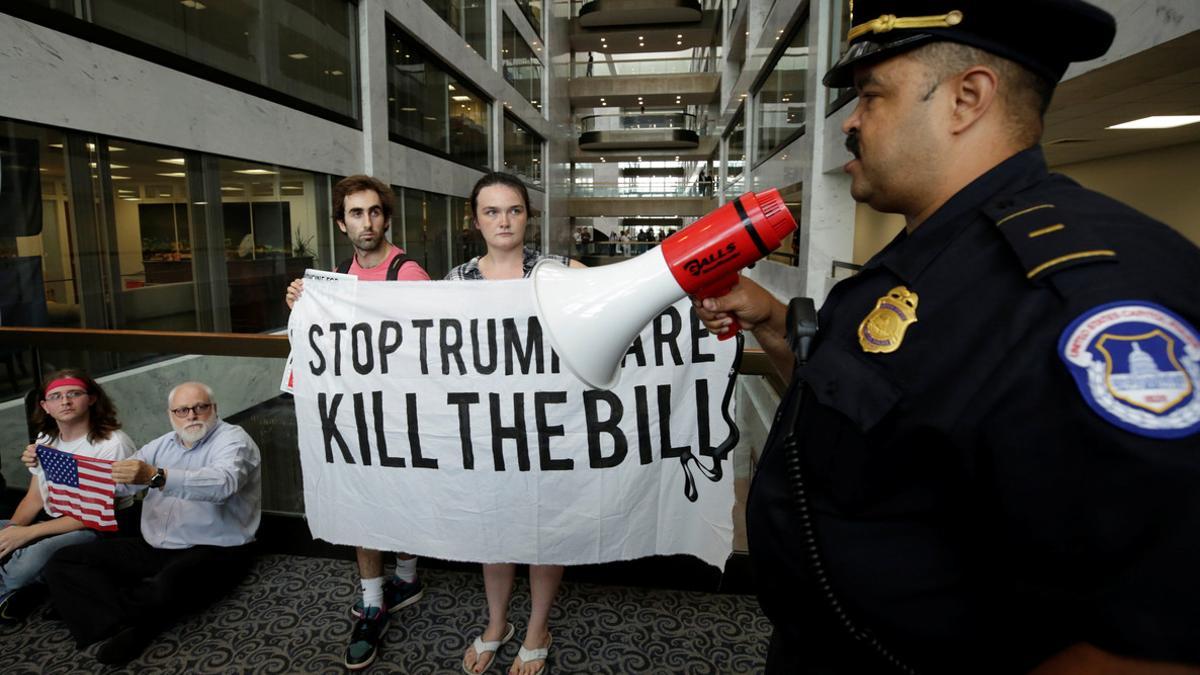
point(1042, 35)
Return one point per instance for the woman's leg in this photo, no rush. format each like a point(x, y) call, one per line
point(498, 585)
point(543, 582)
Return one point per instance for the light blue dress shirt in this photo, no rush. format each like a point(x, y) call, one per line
point(213, 493)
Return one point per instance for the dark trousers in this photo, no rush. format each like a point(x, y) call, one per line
point(108, 585)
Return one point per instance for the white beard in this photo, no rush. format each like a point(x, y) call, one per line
point(190, 432)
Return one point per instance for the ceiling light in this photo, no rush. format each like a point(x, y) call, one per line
point(256, 172)
point(299, 56)
point(111, 148)
point(230, 188)
point(408, 109)
point(200, 203)
point(193, 4)
point(131, 199)
point(56, 145)
point(460, 97)
point(177, 161)
point(335, 73)
point(164, 194)
point(680, 36)
point(640, 37)
point(602, 39)
point(679, 42)
point(120, 177)
point(451, 87)
point(177, 174)
point(1158, 122)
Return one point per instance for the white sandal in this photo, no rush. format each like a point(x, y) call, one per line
point(488, 647)
point(528, 655)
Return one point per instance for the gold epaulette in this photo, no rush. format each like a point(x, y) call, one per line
point(1044, 239)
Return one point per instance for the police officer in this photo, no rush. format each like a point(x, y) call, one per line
point(989, 461)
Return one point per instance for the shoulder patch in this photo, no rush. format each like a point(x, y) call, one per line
point(1137, 365)
point(1044, 240)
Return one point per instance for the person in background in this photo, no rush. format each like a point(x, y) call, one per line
point(363, 208)
point(201, 511)
point(988, 458)
point(74, 415)
point(500, 204)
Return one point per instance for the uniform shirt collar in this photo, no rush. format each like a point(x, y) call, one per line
point(909, 254)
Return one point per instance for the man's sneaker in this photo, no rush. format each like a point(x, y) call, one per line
point(17, 604)
point(364, 640)
point(396, 594)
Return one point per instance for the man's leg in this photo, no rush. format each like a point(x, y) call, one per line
point(369, 629)
point(189, 580)
point(88, 582)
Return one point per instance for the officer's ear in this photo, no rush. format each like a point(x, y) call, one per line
point(975, 92)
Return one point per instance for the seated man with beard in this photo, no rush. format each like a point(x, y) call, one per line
point(199, 517)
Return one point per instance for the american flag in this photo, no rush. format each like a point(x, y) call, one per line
point(80, 487)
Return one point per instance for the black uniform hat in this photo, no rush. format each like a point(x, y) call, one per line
point(1042, 35)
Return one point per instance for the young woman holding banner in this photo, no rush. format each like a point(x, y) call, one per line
point(500, 210)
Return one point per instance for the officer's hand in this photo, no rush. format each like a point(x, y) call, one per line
point(294, 290)
point(29, 457)
point(748, 301)
point(133, 471)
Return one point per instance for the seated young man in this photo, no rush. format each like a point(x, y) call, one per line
point(74, 415)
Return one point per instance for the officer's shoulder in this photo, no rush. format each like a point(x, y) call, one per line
point(1057, 225)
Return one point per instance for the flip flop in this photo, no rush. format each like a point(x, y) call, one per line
point(488, 647)
point(528, 655)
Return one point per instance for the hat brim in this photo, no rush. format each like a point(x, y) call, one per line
point(864, 52)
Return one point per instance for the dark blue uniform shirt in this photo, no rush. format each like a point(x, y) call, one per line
point(973, 512)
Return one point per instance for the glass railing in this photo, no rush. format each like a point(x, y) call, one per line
point(627, 122)
point(601, 67)
point(673, 189)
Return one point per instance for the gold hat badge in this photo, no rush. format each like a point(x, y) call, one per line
point(882, 331)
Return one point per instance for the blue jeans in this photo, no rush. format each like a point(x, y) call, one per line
point(25, 565)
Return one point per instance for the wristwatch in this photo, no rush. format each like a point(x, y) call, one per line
point(159, 479)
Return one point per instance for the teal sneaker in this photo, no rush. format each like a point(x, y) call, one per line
point(396, 594)
point(364, 640)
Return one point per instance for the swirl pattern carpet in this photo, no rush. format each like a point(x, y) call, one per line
point(291, 615)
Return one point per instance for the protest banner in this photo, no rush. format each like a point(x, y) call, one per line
point(435, 418)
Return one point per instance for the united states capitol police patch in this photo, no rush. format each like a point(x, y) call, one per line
point(1138, 365)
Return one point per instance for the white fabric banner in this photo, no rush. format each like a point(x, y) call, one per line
point(435, 419)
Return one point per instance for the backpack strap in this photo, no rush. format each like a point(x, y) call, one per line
point(395, 265)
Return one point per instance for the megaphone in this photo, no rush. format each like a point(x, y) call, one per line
point(592, 316)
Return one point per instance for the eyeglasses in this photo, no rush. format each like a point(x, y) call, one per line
point(67, 395)
point(199, 409)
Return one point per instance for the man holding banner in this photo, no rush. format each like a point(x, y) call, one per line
point(362, 207)
point(76, 423)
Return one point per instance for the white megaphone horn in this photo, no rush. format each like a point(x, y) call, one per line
point(593, 315)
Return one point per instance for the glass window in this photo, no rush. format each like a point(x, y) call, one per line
point(430, 107)
point(735, 142)
point(467, 242)
point(468, 18)
point(522, 151)
point(522, 67)
point(426, 225)
point(840, 24)
point(779, 113)
point(300, 48)
point(119, 234)
point(532, 9)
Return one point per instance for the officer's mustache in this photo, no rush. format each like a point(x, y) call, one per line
point(852, 144)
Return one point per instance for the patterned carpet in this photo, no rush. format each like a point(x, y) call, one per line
point(291, 615)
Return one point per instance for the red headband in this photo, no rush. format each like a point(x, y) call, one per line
point(66, 382)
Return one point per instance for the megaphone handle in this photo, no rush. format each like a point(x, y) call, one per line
point(716, 289)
